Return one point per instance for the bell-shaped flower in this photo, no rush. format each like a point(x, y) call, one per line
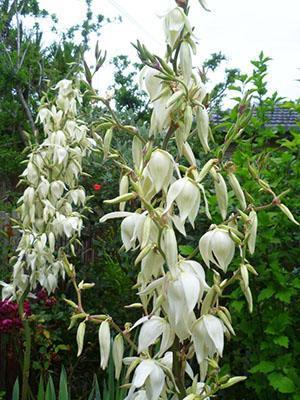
point(185, 58)
point(160, 168)
point(152, 265)
point(159, 95)
point(183, 292)
point(196, 270)
point(187, 197)
point(208, 338)
point(150, 375)
point(216, 246)
point(175, 21)
point(131, 230)
point(65, 87)
point(151, 330)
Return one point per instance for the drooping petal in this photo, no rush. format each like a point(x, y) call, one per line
point(168, 337)
point(142, 372)
point(156, 381)
point(215, 331)
point(174, 191)
point(191, 289)
point(116, 214)
point(199, 337)
point(205, 247)
point(223, 248)
point(149, 332)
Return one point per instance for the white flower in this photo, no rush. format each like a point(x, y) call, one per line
point(208, 339)
point(8, 290)
point(159, 94)
point(202, 120)
point(151, 330)
point(149, 374)
point(131, 230)
point(65, 87)
point(117, 353)
point(160, 167)
point(104, 342)
point(187, 197)
point(217, 247)
point(174, 23)
point(252, 231)
point(169, 247)
point(221, 192)
point(185, 57)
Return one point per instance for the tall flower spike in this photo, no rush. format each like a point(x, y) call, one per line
point(50, 206)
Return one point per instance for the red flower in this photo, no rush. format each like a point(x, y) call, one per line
point(97, 187)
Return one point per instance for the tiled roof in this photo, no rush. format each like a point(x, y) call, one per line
point(278, 117)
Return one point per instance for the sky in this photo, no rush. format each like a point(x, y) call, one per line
point(238, 28)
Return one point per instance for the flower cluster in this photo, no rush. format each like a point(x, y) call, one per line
point(184, 324)
point(9, 315)
point(51, 203)
point(183, 316)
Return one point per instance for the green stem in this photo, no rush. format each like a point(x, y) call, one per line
point(27, 351)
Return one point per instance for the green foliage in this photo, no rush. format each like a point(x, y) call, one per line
point(269, 336)
point(27, 69)
point(62, 390)
point(130, 100)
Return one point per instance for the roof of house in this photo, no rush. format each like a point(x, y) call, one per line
point(278, 117)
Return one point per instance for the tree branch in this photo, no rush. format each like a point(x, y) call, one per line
point(27, 111)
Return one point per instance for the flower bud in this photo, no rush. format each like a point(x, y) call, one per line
point(288, 213)
point(233, 381)
point(117, 353)
point(236, 187)
point(120, 199)
point(188, 119)
point(106, 142)
point(187, 152)
point(123, 189)
point(137, 153)
point(80, 337)
point(169, 246)
point(252, 232)
point(185, 59)
point(221, 192)
point(104, 342)
point(202, 121)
